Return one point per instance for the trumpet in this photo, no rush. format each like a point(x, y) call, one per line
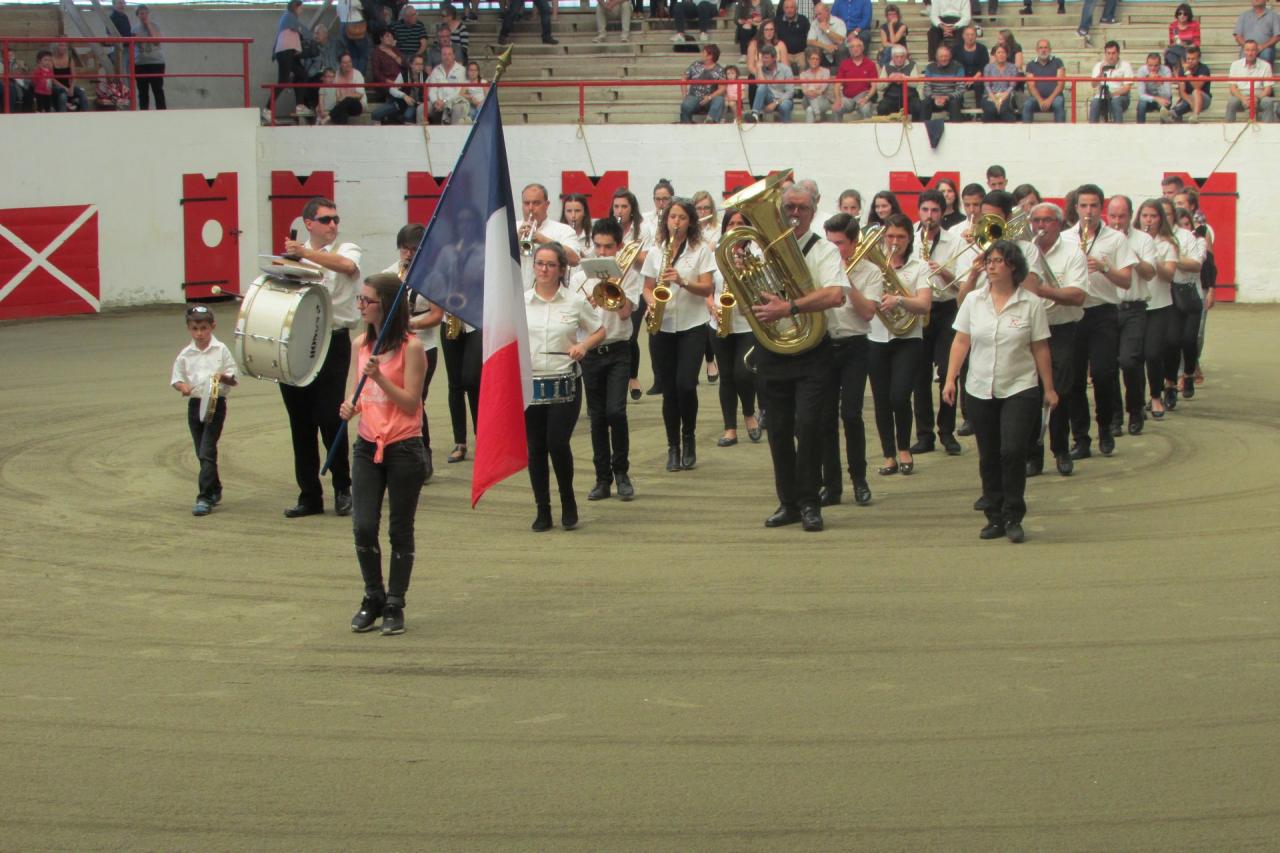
point(661, 292)
point(526, 232)
point(988, 229)
point(899, 321)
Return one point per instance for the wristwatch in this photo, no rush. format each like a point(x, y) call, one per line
point(795, 309)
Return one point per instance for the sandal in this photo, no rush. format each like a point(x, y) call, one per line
point(459, 453)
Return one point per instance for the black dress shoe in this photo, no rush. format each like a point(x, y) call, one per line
point(342, 503)
point(950, 445)
point(924, 445)
point(1035, 464)
point(626, 491)
point(367, 615)
point(783, 516)
point(981, 504)
point(965, 429)
point(1170, 398)
point(887, 470)
point(861, 492)
point(1188, 388)
point(1106, 444)
point(569, 516)
point(689, 454)
point(636, 393)
point(653, 391)
point(1080, 450)
point(1065, 465)
point(811, 519)
point(542, 522)
point(993, 530)
point(673, 458)
point(299, 510)
point(1117, 428)
point(1013, 530)
point(826, 497)
point(600, 492)
point(725, 441)
point(1135, 425)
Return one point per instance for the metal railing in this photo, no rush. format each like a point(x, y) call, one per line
point(120, 44)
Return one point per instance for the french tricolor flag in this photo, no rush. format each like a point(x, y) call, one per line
point(469, 263)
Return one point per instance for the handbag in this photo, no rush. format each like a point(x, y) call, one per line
point(1186, 297)
point(355, 29)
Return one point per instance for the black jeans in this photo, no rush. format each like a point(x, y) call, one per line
point(315, 407)
point(205, 438)
point(1130, 358)
point(146, 86)
point(1163, 346)
point(1061, 345)
point(433, 356)
point(737, 383)
point(463, 357)
point(1187, 327)
point(345, 110)
point(1003, 428)
point(399, 476)
point(795, 393)
point(677, 361)
point(893, 368)
point(938, 335)
point(515, 7)
point(289, 70)
point(844, 403)
point(1096, 351)
point(604, 378)
point(549, 429)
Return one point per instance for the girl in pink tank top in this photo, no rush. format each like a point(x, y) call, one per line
point(388, 457)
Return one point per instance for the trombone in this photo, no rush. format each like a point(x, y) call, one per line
point(988, 229)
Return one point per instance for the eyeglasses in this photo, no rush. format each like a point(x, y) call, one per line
point(329, 220)
point(994, 261)
point(546, 265)
point(363, 300)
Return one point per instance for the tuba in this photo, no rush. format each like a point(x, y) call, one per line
point(899, 321)
point(781, 271)
point(661, 292)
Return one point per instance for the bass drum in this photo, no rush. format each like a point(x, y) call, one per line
point(282, 333)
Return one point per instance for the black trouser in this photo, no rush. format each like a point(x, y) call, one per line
point(315, 407)
point(604, 378)
point(891, 101)
point(1163, 345)
point(1130, 358)
point(289, 70)
point(677, 361)
point(1003, 428)
point(433, 355)
point(844, 403)
point(345, 110)
point(1061, 344)
point(892, 367)
point(795, 394)
point(1187, 326)
point(205, 438)
point(399, 476)
point(463, 357)
point(705, 11)
point(515, 7)
point(737, 384)
point(548, 429)
point(744, 36)
point(637, 322)
point(935, 38)
point(1096, 348)
point(929, 107)
point(938, 335)
point(147, 85)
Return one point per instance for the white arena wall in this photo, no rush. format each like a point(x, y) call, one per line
point(130, 166)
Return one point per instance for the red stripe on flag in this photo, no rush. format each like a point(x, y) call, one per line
point(501, 447)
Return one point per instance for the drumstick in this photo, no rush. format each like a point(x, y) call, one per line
point(218, 291)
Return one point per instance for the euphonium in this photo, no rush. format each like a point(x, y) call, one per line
point(781, 271)
point(899, 321)
point(661, 292)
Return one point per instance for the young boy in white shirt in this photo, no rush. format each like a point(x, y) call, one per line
point(205, 369)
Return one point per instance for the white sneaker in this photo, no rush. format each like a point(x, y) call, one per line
point(266, 116)
point(303, 112)
point(626, 37)
point(599, 39)
point(678, 38)
point(704, 37)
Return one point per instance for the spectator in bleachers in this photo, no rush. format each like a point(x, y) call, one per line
point(1011, 46)
point(827, 34)
point(1263, 26)
point(410, 33)
point(1045, 85)
point(445, 104)
point(1110, 99)
point(973, 58)
point(1193, 97)
point(853, 15)
point(768, 38)
point(474, 93)
point(891, 91)
point(817, 89)
point(458, 32)
point(353, 38)
point(1254, 67)
point(1027, 10)
point(997, 98)
point(1155, 92)
point(384, 17)
point(287, 53)
point(405, 99)
point(944, 87)
point(512, 13)
point(793, 29)
point(883, 205)
point(347, 97)
point(857, 97)
point(733, 92)
point(120, 20)
point(773, 98)
point(605, 8)
point(68, 93)
point(750, 15)
point(1184, 31)
point(1086, 15)
point(43, 82)
point(705, 12)
point(948, 19)
point(150, 59)
point(318, 54)
point(706, 90)
point(893, 31)
point(385, 66)
point(435, 53)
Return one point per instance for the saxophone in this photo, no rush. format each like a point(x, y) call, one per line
point(724, 313)
point(661, 292)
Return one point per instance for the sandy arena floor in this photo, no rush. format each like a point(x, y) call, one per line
point(672, 676)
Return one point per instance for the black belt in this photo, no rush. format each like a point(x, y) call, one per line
point(604, 349)
point(1133, 303)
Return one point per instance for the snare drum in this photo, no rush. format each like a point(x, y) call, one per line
point(557, 388)
point(282, 333)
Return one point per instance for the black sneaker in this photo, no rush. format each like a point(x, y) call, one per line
point(392, 620)
point(994, 530)
point(542, 522)
point(1106, 444)
point(950, 445)
point(626, 491)
point(924, 445)
point(1080, 450)
point(370, 609)
point(342, 503)
point(981, 504)
point(600, 492)
point(1065, 465)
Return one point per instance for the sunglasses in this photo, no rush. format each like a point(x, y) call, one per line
point(198, 311)
point(327, 220)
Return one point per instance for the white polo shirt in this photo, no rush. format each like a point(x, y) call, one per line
point(195, 366)
point(554, 231)
point(1069, 267)
point(554, 325)
point(1111, 248)
point(684, 311)
point(1000, 359)
point(1144, 249)
point(912, 277)
point(1161, 288)
point(342, 288)
point(616, 330)
point(844, 322)
point(941, 251)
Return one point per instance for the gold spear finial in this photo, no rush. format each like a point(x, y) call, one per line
point(504, 59)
